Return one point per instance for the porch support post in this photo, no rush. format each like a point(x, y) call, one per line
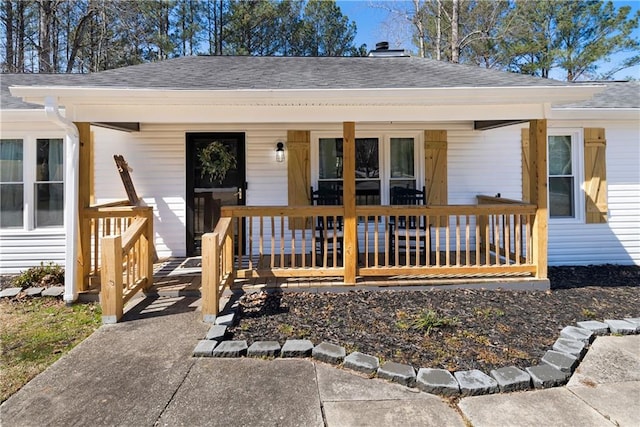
point(350, 250)
point(71, 225)
point(538, 182)
point(85, 181)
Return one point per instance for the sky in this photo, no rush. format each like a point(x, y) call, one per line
point(371, 17)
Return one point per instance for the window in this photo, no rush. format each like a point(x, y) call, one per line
point(381, 164)
point(49, 187)
point(31, 183)
point(402, 160)
point(367, 168)
point(11, 183)
point(563, 175)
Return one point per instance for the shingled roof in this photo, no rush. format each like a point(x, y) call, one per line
point(8, 102)
point(251, 72)
point(282, 73)
point(615, 95)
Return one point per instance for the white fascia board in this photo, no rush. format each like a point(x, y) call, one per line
point(23, 115)
point(595, 113)
point(296, 114)
point(301, 97)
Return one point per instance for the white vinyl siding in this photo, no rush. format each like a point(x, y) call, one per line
point(19, 251)
point(618, 240)
point(483, 163)
point(157, 156)
point(478, 163)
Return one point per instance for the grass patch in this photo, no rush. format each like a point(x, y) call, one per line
point(428, 320)
point(285, 329)
point(36, 332)
point(489, 312)
point(425, 321)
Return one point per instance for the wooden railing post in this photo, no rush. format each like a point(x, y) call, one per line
point(85, 179)
point(84, 252)
point(111, 279)
point(538, 182)
point(350, 243)
point(210, 277)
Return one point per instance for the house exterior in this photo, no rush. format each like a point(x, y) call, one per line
point(457, 131)
point(613, 237)
point(28, 237)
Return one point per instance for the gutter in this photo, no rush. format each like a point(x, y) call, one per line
point(72, 155)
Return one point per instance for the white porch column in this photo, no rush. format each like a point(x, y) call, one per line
point(72, 154)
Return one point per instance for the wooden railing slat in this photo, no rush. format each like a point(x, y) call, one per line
point(493, 231)
point(131, 234)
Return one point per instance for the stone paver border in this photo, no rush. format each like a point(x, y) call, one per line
point(555, 367)
point(33, 292)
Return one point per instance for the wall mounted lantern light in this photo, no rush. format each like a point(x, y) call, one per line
point(280, 152)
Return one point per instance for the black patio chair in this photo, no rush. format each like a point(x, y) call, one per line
point(412, 226)
point(329, 231)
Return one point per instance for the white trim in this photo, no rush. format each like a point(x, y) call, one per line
point(384, 155)
point(89, 104)
point(595, 114)
point(577, 163)
point(29, 179)
point(249, 114)
point(368, 96)
point(23, 115)
point(29, 141)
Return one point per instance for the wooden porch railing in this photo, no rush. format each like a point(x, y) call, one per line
point(99, 221)
point(451, 242)
point(280, 241)
point(505, 232)
point(217, 267)
point(484, 240)
point(126, 266)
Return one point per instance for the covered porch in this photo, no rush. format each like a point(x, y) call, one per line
point(467, 233)
point(495, 239)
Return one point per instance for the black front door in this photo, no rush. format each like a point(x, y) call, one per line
point(215, 177)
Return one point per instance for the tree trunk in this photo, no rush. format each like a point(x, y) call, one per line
point(219, 22)
point(19, 62)
point(439, 32)
point(455, 42)
point(55, 42)
point(78, 36)
point(9, 53)
point(570, 76)
point(417, 18)
point(44, 50)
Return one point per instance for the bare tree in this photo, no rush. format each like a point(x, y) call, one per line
point(44, 36)
point(9, 63)
point(455, 37)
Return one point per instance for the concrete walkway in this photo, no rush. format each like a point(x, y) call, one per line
point(604, 391)
point(140, 373)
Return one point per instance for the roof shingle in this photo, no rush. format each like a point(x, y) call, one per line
point(251, 72)
point(283, 73)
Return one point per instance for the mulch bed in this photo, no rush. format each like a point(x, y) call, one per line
point(470, 329)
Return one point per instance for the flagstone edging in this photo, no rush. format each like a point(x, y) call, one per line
point(555, 367)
